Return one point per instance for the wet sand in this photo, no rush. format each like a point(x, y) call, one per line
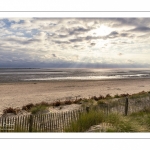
point(21, 93)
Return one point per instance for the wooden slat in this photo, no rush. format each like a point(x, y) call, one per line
point(57, 122)
point(38, 122)
point(60, 122)
point(63, 123)
point(16, 123)
point(50, 122)
point(67, 118)
point(41, 120)
point(2, 124)
point(45, 123)
point(57, 126)
point(47, 127)
point(53, 122)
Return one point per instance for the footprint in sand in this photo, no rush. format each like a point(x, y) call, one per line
point(142, 86)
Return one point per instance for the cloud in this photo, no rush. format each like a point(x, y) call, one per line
point(77, 30)
point(124, 34)
point(2, 24)
point(72, 41)
point(130, 61)
point(114, 33)
point(61, 42)
point(21, 41)
point(93, 44)
point(54, 55)
point(141, 29)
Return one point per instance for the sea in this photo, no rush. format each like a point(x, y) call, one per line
point(47, 74)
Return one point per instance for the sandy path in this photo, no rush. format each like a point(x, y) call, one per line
point(19, 94)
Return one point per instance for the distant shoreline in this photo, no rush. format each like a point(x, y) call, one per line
point(70, 80)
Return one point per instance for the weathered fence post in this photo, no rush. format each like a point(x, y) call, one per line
point(126, 106)
point(87, 109)
point(30, 123)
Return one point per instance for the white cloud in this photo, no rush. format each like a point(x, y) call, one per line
point(75, 40)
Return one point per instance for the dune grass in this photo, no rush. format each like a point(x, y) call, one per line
point(39, 109)
point(136, 122)
point(86, 120)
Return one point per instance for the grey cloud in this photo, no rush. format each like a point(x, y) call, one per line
point(124, 34)
point(141, 29)
point(145, 36)
point(54, 55)
point(62, 36)
point(77, 30)
point(30, 41)
point(127, 21)
point(60, 42)
point(92, 44)
point(76, 40)
point(71, 31)
point(76, 46)
point(125, 43)
point(114, 33)
point(93, 37)
point(22, 41)
point(118, 22)
point(87, 38)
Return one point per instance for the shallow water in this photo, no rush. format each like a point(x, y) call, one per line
point(14, 75)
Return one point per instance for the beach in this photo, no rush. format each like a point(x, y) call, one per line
point(17, 94)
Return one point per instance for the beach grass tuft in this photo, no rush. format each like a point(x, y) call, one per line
point(85, 121)
point(38, 109)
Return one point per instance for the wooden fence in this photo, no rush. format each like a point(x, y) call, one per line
point(57, 122)
point(126, 106)
point(51, 122)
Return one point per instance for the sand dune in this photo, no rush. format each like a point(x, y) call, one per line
point(22, 93)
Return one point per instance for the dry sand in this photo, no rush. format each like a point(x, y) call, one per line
point(21, 93)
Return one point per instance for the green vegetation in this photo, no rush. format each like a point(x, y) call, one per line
point(86, 120)
point(100, 113)
point(122, 124)
point(38, 109)
point(95, 100)
point(136, 122)
point(140, 94)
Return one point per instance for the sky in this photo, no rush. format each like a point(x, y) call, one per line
point(74, 42)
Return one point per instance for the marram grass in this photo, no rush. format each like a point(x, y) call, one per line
point(119, 123)
point(86, 120)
